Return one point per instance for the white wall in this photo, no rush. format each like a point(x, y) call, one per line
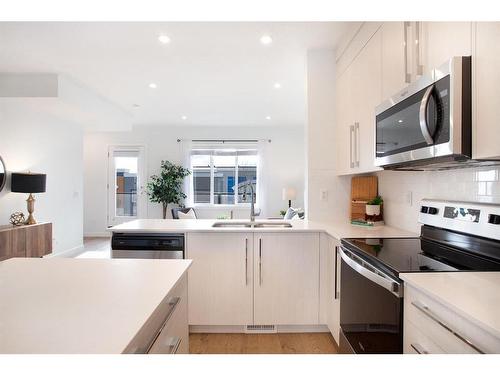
point(284, 164)
point(35, 141)
point(320, 135)
point(473, 184)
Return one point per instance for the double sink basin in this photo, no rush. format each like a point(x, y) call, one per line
point(251, 224)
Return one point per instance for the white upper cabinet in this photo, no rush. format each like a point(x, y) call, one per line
point(395, 69)
point(286, 278)
point(220, 280)
point(358, 93)
point(440, 41)
point(486, 101)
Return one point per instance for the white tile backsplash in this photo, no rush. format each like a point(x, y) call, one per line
point(471, 184)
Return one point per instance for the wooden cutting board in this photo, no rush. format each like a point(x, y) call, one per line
point(363, 189)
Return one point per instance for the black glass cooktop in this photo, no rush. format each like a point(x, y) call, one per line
point(398, 255)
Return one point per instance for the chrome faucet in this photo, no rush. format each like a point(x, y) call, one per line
point(244, 185)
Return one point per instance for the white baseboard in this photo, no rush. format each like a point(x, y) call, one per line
point(97, 234)
point(70, 253)
point(241, 329)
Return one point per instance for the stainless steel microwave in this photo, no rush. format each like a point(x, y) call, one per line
point(428, 124)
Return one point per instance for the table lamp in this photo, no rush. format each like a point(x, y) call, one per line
point(29, 183)
point(289, 194)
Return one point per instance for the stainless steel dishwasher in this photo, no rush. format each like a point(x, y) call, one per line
point(147, 246)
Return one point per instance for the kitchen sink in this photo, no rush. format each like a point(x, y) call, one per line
point(249, 224)
point(232, 224)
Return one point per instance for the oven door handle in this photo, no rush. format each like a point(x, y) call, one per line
point(423, 116)
point(358, 265)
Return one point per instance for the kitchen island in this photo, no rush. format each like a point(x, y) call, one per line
point(98, 306)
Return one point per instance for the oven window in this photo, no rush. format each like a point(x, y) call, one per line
point(370, 315)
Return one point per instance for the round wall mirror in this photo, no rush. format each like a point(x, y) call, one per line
point(3, 174)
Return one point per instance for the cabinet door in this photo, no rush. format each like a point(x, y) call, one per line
point(395, 69)
point(442, 40)
point(486, 60)
point(366, 95)
point(38, 240)
point(286, 275)
point(220, 282)
point(345, 120)
point(333, 259)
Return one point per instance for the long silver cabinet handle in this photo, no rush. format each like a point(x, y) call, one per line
point(425, 310)
point(356, 142)
point(246, 261)
point(418, 49)
point(406, 25)
point(173, 344)
point(335, 294)
point(351, 137)
point(260, 261)
point(418, 349)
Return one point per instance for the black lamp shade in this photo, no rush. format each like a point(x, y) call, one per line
point(28, 182)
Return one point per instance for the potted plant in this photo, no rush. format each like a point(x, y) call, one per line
point(166, 187)
point(373, 206)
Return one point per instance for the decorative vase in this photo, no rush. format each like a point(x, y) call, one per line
point(373, 209)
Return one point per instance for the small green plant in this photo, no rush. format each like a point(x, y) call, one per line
point(282, 212)
point(166, 187)
point(377, 201)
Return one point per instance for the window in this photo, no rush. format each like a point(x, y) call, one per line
point(215, 173)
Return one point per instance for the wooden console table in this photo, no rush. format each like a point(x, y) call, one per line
point(32, 241)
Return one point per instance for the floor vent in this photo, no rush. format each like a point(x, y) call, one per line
point(261, 328)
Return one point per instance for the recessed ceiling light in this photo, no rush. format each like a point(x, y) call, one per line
point(136, 105)
point(184, 117)
point(268, 117)
point(152, 85)
point(277, 85)
point(266, 39)
point(400, 121)
point(164, 39)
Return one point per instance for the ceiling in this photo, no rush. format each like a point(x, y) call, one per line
point(211, 73)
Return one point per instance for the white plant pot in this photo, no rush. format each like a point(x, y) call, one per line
point(372, 209)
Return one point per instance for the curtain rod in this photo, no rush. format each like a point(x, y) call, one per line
point(224, 140)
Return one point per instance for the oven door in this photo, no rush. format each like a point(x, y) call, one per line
point(371, 308)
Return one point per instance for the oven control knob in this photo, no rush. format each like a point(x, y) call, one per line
point(424, 209)
point(494, 219)
point(433, 210)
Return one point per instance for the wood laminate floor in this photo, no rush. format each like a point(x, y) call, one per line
point(278, 343)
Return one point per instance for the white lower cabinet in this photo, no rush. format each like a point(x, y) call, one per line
point(286, 278)
point(220, 280)
point(430, 327)
point(239, 279)
point(330, 285)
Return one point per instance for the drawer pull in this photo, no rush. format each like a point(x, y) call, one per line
point(418, 349)
point(173, 345)
point(172, 304)
point(425, 310)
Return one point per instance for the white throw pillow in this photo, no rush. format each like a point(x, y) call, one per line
point(188, 215)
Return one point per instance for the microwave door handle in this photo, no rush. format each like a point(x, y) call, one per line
point(423, 116)
point(385, 282)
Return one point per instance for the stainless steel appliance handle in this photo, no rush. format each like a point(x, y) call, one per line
point(351, 136)
point(423, 116)
point(356, 142)
point(360, 266)
point(407, 73)
point(419, 349)
point(173, 303)
point(260, 261)
point(246, 261)
point(425, 310)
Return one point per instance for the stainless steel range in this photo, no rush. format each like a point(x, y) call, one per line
point(455, 236)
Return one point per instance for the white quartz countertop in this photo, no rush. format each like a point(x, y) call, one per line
point(62, 305)
point(337, 229)
point(474, 295)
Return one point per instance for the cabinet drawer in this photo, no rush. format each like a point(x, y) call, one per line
point(416, 342)
point(445, 327)
point(166, 330)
